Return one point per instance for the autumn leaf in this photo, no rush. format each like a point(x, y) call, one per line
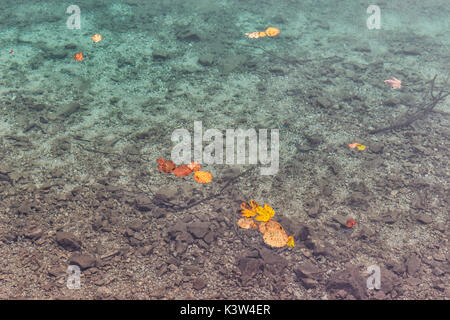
point(264, 214)
point(247, 223)
point(249, 210)
point(290, 242)
point(274, 234)
point(276, 238)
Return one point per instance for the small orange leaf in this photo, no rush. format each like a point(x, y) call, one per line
point(272, 32)
point(247, 223)
point(290, 242)
point(78, 56)
point(276, 238)
point(203, 176)
point(182, 171)
point(194, 166)
point(350, 223)
point(247, 211)
point(96, 37)
point(166, 166)
point(264, 214)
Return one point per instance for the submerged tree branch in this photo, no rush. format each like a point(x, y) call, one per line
point(407, 119)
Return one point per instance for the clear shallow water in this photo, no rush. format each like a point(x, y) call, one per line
point(81, 139)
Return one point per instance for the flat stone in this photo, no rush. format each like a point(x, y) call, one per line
point(376, 147)
point(198, 229)
point(206, 60)
point(199, 284)
point(33, 232)
point(158, 212)
point(84, 261)
point(209, 237)
point(425, 219)
point(307, 270)
point(391, 217)
point(68, 241)
point(250, 266)
point(350, 281)
point(412, 264)
point(308, 283)
point(191, 270)
point(175, 229)
point(160, 55)
point(301, 233)
point(136, 225)
point(269, 257)
point(324, 102)
point(165, 195)
point(313, 208)
point(439, 257)
point(143, 203)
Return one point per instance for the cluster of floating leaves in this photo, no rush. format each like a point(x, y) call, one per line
point(79, 56)
point(271, 32)
point(357, 145)
point(168, 166)
point(273, 233)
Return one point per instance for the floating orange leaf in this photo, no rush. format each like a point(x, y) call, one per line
point(272, 32)
point(350, 223)
point(249, 210)
point(276, 238)
point(394, 83)
point(194, 166)
point(264, 214)
point(253, 35)
point(166, 166)
point(247, 223)
point(202, 176)
point(273, 233)
point(357, 145)
point(269, 225)
point(96, 37)
point(182, 171)
point(290, 242)
point(78, 56)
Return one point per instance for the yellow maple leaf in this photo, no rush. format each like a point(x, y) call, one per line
point(360, 147)
point(290, 242)
point(264, 214)
point(249, 210)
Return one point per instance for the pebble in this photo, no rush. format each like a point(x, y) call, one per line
point(33, 232)
point(439, 257)
point(342, 220)
point(199, 284)
point(425, 219)
point(84, 261)
point(198, 229)
point(412, 264)
point(68, 241)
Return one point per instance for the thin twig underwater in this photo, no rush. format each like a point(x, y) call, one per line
point(423, 109)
